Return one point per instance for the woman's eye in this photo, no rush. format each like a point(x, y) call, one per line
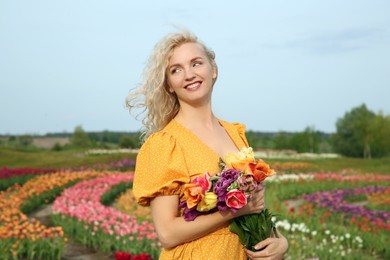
point(197, 64)
point(175, 70)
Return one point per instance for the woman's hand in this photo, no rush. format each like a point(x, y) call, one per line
point(274, 248)
point(256, 203)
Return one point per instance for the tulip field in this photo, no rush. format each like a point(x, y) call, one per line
point(327, 209)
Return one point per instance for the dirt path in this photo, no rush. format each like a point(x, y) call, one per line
point(73, 250)
point(294, 203)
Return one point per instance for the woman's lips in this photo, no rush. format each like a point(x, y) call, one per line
point(193, 86)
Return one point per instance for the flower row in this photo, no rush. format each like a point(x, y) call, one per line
point(127, 204)
point(110, 151)
point(288, 177)
point(351, 178)
point(127, 256)
point(125, 164)
point(314, 243)
point(6, 172)
point(285, 196)
point(335, 201)
point(102, 226)
point(291, 154)
point(291, 166)
point(21, 235)
point(380, 197)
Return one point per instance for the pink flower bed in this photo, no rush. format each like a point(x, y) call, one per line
point(82, 201)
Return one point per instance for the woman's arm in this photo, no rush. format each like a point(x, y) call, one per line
point(173, 230)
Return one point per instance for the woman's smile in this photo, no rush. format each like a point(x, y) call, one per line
point(193, 86)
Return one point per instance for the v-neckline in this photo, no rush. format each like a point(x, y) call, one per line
point(221, 123)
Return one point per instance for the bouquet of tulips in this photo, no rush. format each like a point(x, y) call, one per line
point(231, 189)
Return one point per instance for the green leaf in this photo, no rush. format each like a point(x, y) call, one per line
point(251, 229)
point(235, 228)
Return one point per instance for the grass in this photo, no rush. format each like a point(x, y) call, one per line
point(40, 158)
point(359, 165)
point(45, 159)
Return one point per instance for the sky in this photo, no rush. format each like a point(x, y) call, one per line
point(283, 65)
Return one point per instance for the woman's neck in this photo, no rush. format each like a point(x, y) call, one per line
point(195, 117)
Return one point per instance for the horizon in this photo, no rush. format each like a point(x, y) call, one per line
point(133, 132)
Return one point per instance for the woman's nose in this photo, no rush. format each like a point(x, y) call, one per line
point(189, 74)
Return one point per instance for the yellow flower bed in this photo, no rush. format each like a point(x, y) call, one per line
point(127, 204)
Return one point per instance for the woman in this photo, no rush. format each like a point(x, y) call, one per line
point(184, 139)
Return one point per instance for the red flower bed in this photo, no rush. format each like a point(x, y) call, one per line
point(6, 172)
point(127, 256)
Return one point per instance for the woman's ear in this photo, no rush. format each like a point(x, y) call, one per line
point(215, 72)
point(168, 87)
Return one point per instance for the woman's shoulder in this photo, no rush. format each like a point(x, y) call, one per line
point(163, 138)
point(241, 128)
point(237, 131)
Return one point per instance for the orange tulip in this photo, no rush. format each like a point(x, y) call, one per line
point(194, 194)
point(195, 191)
point(260, 170)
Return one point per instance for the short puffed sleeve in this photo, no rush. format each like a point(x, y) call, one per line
point(241, 130)
point(160, 168)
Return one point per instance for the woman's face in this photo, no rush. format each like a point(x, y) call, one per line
point(190, 74)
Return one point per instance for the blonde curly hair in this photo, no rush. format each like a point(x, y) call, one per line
point(158, 104)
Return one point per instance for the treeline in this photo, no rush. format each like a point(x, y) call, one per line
point(105, 139)
point(307, 141)
point(359, 133)
point(78, 139)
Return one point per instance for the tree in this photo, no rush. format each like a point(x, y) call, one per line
point(306, 141)
point(381, 138)
point(127, 142)
point(80, 138)
point(282, 141)
point(56, 147)
point(362, 133)
point(25, 140)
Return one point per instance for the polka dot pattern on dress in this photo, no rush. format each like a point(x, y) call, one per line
point(169, 159)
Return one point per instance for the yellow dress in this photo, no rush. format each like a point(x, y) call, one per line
point(169, 159)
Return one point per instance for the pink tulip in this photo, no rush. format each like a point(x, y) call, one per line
point(235, 199)
point(82, 201)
